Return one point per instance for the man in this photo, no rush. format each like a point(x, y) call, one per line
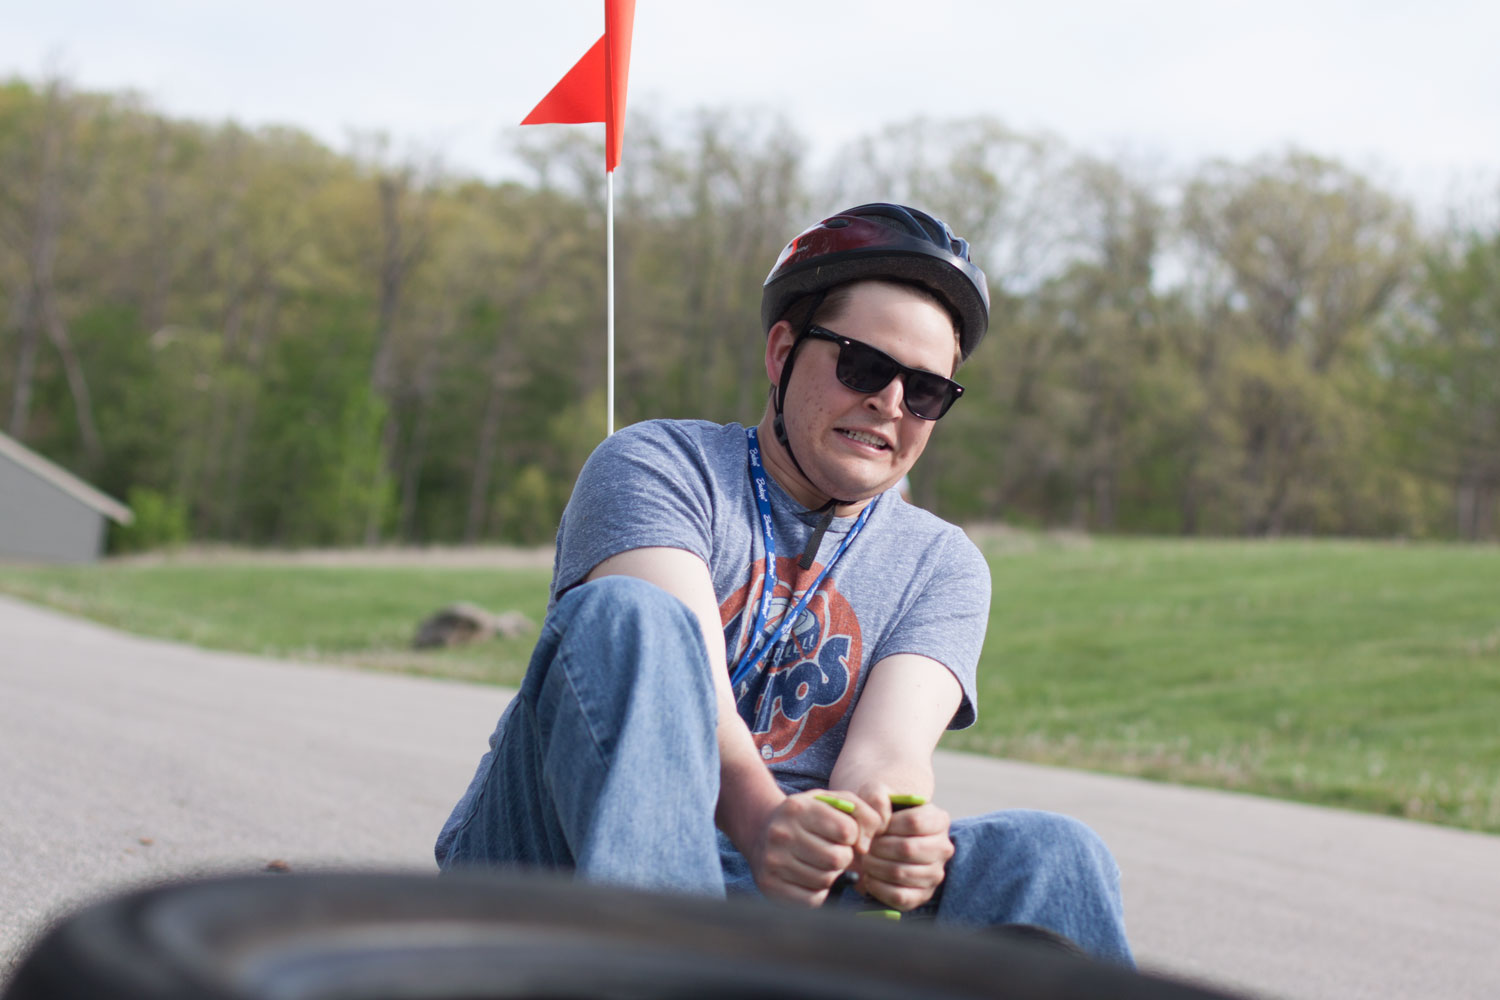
point(749, 631)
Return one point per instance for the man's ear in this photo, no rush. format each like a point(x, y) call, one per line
point(779, 343)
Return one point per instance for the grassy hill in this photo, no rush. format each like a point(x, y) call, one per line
point(1360, 674)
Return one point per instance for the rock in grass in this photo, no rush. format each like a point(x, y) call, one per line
point(464, 623)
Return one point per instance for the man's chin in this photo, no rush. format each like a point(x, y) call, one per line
point(857, 480)
point(858, 491)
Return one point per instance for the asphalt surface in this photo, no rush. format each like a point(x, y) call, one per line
point(125, 761)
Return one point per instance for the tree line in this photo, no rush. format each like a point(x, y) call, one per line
point(255, 339)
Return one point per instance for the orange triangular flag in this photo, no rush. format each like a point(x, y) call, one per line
point(594, 89)
point(578, 96)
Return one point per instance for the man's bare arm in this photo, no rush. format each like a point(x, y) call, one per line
point(903, 710)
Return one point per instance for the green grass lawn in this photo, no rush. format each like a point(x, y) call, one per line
point(1358, 674)
point(1348, 673)
point(364, 616)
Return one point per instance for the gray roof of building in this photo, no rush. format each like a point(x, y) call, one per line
point(64, 480)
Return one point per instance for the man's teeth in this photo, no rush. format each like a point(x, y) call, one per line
point(863, 438)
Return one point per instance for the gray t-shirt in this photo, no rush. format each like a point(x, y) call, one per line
point(909, 583)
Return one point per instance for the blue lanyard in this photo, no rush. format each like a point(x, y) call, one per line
point(754, 654)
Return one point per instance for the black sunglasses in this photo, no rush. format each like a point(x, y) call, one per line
point(864, 369)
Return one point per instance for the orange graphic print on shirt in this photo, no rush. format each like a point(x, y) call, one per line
point(806, 684)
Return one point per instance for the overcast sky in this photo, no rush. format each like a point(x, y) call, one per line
point(1409, 90)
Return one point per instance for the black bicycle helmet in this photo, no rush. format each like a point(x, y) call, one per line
point(882, 240)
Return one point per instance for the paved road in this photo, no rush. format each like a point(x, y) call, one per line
point(126, 760)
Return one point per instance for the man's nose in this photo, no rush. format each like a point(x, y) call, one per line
point(887, 402)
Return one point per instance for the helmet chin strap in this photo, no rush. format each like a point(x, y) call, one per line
point(778, 424)
point(810, 551)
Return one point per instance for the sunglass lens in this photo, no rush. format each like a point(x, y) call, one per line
point(863, 368)
point(928, 396)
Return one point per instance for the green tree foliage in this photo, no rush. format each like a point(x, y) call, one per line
point(269, 343)
point(1297, 258)
point(160, 523)
point(1444, 389)
point(321, 442)
point(700, 221)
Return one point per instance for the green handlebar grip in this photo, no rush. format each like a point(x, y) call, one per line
point(842, 805)
point(899, 802)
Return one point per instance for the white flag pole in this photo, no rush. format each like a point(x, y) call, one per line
point(609, 309)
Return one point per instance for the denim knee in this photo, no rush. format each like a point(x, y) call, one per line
point(627, 619)
point(1043, 868)
point(613, 596)
point(1035, 839)
point(622, 605)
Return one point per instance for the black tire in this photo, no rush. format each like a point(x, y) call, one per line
point(462, 937)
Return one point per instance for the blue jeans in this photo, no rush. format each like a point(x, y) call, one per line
point(606, 763)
